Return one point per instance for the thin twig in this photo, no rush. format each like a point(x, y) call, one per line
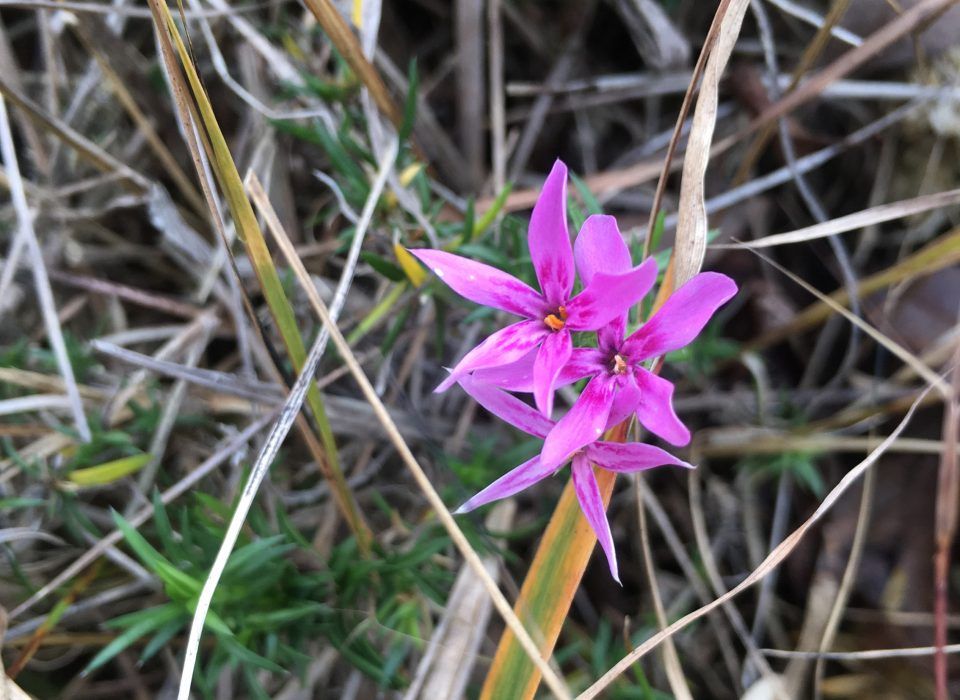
point(769, 564)
point(443, 514)
point(44, 291)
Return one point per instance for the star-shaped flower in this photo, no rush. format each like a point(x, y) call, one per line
point(551, 314)
point(619, 384)
point(621, 457)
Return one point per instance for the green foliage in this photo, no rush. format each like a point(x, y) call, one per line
point(604, 649)
point(802, 466)
point(269, 604)
point(701, 357)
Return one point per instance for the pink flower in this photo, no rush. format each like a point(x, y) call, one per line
point(621, 457)
point(551, 314)
point(619, 384)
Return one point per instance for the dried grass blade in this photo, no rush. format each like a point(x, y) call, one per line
point(251, 236)
point(339, 32)
point(928, 375)
point(948, 493)
point(44, 291)
point(473, 560)
point(941, 253)
point(708, 44)
point(779, 553)
point(691, 240)
point(288, 414)
point(861, 219)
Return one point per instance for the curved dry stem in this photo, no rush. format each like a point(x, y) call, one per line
point(774, 559)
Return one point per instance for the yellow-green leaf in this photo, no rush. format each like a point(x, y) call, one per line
point(108, 472)
point(410, 265)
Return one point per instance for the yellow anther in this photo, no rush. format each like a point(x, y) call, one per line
point(558, 320)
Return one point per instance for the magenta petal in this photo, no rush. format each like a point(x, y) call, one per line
point(655, 411)
point(549, 240)
point(600, 248)
point(591, 503)
point(609, 296)
point(514, 481)
point(682, 316)
point(583, 424)
point(551, 358)
point(625, 401)
point(518, 376)
point(506, 407)
point(483, 284)
point(506, 345)
point(626, 457)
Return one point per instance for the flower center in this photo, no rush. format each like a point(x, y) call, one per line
point(557, 320)
point(619, 365)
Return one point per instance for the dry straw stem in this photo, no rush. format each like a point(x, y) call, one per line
point(865, 655)
point(851, 222)
point(671, 661)
point(738, 444)
point(850, 572)
point(931, 377)
point(948, 491)
point(45, 298)
point(446, 519)
point(937, 255)
point(776, 556)
point(348, 46)
point(249, 232)
point(708, 44)
point(810, 54)
point(288, 414)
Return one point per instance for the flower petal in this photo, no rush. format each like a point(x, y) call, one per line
point(518, 376)
point(503, 347)
point(591, 503)
point(583, 424)
point(682, 316)
point(514, 481)
point(626, 457)
point(625, 401)
point(600, 248)
point(553, 355)
point(482, 283)
point(506, 407)
point(549, 240)
point(655, 410)
point(609, 296)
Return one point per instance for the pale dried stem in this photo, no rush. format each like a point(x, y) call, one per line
point(288, 414)
point(44, 291)
point(773, 559)
point(443, 514)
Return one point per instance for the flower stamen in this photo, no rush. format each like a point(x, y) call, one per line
point(619, 365)
point(556, 321)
